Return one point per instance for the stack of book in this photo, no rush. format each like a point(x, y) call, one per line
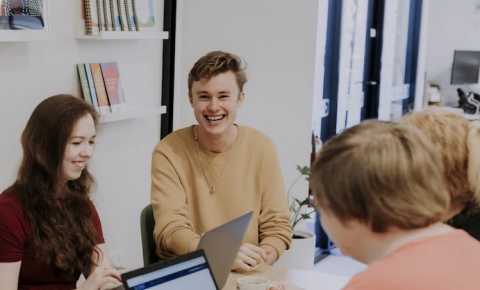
point(117, 15)
point(101, 87)
point(21, 14)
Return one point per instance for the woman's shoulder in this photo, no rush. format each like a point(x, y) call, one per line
point(11, 209)
point(10, 201)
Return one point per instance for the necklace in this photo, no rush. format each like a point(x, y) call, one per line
point(211, 184)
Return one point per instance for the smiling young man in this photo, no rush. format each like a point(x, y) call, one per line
point(207, 174)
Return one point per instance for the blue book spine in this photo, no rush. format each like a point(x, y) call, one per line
point(91, 85)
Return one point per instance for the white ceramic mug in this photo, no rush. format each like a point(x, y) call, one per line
point(253, 283)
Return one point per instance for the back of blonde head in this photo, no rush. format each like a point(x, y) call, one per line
point(381, 174)
point(459, 143)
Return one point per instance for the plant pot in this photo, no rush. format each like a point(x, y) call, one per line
point(301, 253)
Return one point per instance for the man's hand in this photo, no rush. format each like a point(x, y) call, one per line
point(271, 254)
point(249, 257)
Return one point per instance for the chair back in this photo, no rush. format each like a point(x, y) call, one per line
point(147, 224)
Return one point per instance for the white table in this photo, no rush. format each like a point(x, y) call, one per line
point(332, 273)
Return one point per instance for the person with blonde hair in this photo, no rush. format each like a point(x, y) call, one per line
point(209, 173)
point(383, 197)
point(459, 143)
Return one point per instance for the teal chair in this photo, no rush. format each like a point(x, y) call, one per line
point(147, 224)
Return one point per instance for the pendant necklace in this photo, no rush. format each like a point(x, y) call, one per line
point(201, 162)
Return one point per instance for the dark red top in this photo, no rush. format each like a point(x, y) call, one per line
point(16, 245)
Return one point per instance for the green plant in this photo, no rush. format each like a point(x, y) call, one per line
point(300, 209)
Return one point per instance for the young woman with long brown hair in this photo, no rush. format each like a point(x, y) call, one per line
point(50, 232)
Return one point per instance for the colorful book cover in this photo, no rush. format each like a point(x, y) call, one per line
point(111, 78)
point(82, 76)
point(91, 86)
point(102, 97)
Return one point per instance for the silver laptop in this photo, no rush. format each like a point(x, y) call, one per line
point(221, 246)
point(190, 271)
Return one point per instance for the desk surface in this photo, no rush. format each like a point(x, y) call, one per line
point(293, 279)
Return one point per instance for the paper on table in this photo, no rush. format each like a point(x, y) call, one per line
point(313, 280)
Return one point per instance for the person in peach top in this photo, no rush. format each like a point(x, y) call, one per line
point(383, 197)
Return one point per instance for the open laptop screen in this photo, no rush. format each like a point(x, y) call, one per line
point(191, 273)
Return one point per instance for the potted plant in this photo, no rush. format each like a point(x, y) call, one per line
point(302, 250)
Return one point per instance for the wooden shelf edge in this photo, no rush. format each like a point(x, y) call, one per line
point(131, 113)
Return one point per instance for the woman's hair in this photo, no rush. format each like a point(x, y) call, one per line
point(381, 174)
point(459, 143)
point(215, 63)
point(60, 214)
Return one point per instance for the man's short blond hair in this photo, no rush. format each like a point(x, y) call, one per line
point(383, 175)
point(459, 143)
point(215, 63)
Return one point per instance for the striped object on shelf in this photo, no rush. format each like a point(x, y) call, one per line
point(87, 16)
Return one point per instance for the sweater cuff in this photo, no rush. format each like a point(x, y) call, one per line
point(276, 243)
point(182, 242)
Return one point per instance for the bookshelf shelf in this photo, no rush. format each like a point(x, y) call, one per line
point(23, 35)
point(132, 113)
point(118, 35)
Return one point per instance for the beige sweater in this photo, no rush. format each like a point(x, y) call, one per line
point(245, 177)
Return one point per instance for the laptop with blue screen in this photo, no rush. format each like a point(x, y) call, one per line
point(190, 271)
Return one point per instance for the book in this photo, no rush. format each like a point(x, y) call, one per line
point(129, 13)
point(21, 14)
point(122, 15)
point(102, 97)
point(82, 76)
point(101, 25)
point(115, 15)
point(145, 13)
point(87, 17)
point(94, 13)
point(22, 7)
point(26, 22)
point(135, 17)
point(91, 86)
point(107, 20)
point(111, 78)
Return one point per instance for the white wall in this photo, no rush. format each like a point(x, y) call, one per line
point(277, 39)
point(29, 72)
point(452, 25)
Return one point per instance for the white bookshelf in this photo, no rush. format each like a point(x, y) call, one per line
point(119, 35)
point(130, 113)
point(23, 35)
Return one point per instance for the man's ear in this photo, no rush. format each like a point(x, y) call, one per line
point(190, 99)
point(241, 97)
